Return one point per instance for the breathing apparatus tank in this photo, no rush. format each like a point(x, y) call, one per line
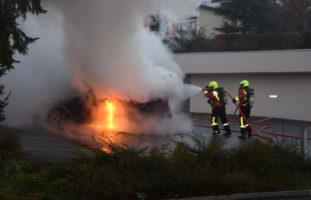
point(223, 95)
point(251, 93)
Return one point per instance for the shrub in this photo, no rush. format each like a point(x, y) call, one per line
point(125, 173)
point(9, 143)
point(244, 42)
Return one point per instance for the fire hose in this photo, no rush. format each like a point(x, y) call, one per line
point(248, 122)
point(264, 127)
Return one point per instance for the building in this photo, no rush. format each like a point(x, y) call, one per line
point(281, 79)
point(207, 20)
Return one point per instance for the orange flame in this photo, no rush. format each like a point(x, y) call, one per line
point(104, 116)
point(110, 117)
point(110, 108)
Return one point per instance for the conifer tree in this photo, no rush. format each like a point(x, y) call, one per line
point(12, 38)
point(246, 16)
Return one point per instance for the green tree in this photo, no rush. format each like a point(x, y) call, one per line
point(295, 16)
point(246, 16)
point(12, 38)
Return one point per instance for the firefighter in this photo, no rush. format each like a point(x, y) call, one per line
point(245, 102)
point(217, 99)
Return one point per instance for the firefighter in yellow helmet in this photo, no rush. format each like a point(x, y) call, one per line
point(245, 100)
point(218, 100)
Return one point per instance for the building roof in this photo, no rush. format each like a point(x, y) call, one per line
point(210, 6)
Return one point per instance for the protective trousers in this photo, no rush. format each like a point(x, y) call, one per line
point(244, 122)
point(219, 112)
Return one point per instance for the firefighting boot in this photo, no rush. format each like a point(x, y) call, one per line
point(216, 130)
point(243, 133)
point(227, 130)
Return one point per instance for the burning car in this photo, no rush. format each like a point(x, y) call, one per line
point(105, 114)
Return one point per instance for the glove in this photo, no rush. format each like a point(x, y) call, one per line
point(234, 101)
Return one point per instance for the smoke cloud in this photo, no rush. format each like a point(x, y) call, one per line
point(99, 43)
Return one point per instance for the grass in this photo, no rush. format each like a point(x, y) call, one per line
point(126, 173)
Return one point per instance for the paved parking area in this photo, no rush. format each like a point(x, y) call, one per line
point(42, 144)
point(45, 146)
point(282, 195)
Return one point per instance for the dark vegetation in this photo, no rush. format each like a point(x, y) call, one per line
point(12, 39)
point(158, 173)
point(253, 25)
point(198, 42)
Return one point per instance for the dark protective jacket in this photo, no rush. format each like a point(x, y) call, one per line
point(245, 96)
point(216, 97)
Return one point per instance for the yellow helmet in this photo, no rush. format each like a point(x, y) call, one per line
point(213, 84)
point(244, 83)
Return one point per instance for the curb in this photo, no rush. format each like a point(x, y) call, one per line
point(258, 195)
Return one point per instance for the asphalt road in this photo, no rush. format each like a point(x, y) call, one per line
point(42, 144)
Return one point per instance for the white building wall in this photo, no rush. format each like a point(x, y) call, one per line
point(293, 91)
point(284, 73)
point(245, 62)
point(208, 20)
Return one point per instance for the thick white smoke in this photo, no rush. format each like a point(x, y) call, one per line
point(41, 79)
point(102, 43)
point(107, 42)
